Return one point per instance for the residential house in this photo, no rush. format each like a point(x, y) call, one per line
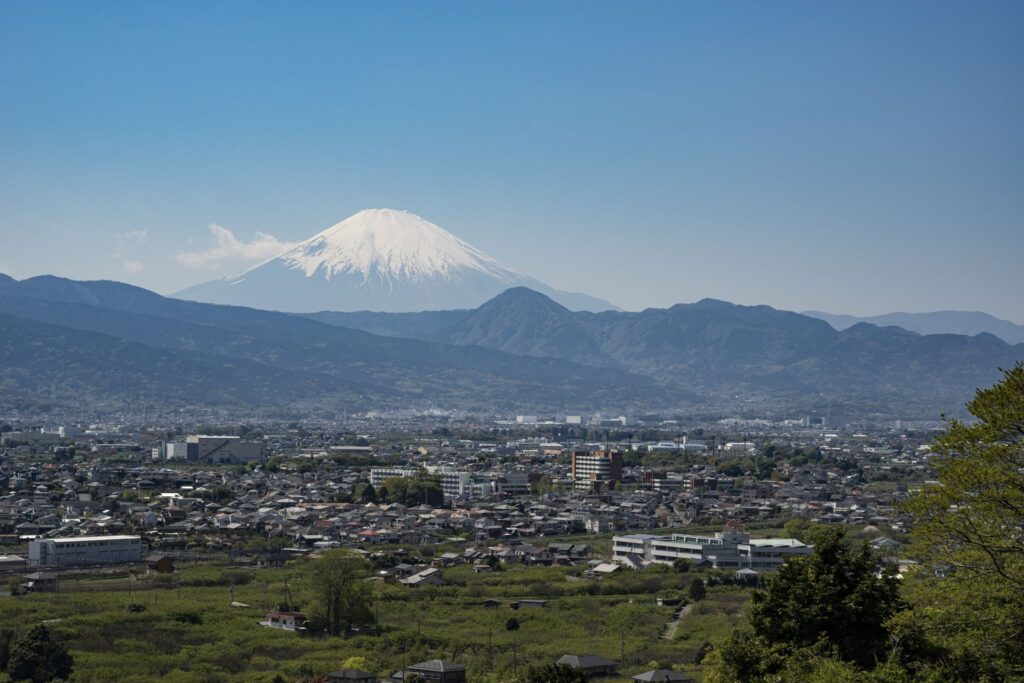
point(351, 676)
point(433, 670)
point(593, 666)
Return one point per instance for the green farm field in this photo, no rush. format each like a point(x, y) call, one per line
point(184, 628)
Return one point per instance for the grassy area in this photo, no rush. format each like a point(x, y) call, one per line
point(613, 617)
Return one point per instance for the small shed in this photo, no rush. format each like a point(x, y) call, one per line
point(40, 582)
point(160, 564)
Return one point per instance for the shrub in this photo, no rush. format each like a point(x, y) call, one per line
point(187, 617)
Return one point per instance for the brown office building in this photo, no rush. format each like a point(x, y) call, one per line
point(596, 470)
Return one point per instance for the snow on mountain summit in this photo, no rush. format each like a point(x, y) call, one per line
point(386, 244)
point(378, 260)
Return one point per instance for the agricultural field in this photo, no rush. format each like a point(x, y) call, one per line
point(189, 626)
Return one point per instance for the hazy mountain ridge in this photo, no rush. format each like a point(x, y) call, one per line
point(44, 364)
point(715, 347)
point(519, 351)
point(968, 323)
point(354, 368)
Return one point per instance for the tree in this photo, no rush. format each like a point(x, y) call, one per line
point(833, 605)
point(339, 579)
point(698, 590)
point(681, 565)
point(356, 662)
point(970, 530)
point(554, 673)
point(6, 639)
point(512, 624)
point(36, 657)
point(368, 494)
point(412, 491)
point(834, 595)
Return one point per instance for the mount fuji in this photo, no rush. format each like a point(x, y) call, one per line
point(378, 260)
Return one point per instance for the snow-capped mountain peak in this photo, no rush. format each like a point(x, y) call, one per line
point(378, 260)
point(385, 244)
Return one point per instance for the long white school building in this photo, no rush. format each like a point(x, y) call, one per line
point(724, 550)
point(84, 550)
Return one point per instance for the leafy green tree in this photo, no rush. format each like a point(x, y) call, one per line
point(512, 624)
point(795, 528)
point(969, 533)
point(339, 579)
point(364, 493)
point(835, 595)
point(356, 662)
point(681, 565)
point(833, 606)
point(36, 657)
point(698, 590)
point(413, 491)
point(6, 639)
point(554, 673)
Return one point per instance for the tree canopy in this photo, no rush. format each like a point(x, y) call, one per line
point(342, 592)
point(554, 673)
point(833, 604)
point(37, 657)
point(968, 532)
point(412, 491)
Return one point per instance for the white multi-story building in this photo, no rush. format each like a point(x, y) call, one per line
point(457, 483)
point(724, 550)
point(741, 447)
point(595, 471)
point(171, 450)
point(379, 474)
point(218, 449)
point(84, 550)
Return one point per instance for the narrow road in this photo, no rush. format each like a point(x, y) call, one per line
point(673, 626)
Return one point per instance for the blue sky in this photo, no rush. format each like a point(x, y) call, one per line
point(850, 157)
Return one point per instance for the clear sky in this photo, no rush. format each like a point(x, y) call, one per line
point(854, 157)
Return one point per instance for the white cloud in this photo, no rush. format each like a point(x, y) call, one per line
point(134, 266)
point(139, 236)
point(127, 238)
point(228, 248)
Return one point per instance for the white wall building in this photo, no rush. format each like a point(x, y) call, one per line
point(222, 449)
point(84, 550)
point(724, 550)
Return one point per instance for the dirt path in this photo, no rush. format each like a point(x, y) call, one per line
point(673, 626)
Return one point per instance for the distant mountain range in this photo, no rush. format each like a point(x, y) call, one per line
point(720, 349)
point(379, 260)
point(64, 342)
point(114, 347)
point(937, 322)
